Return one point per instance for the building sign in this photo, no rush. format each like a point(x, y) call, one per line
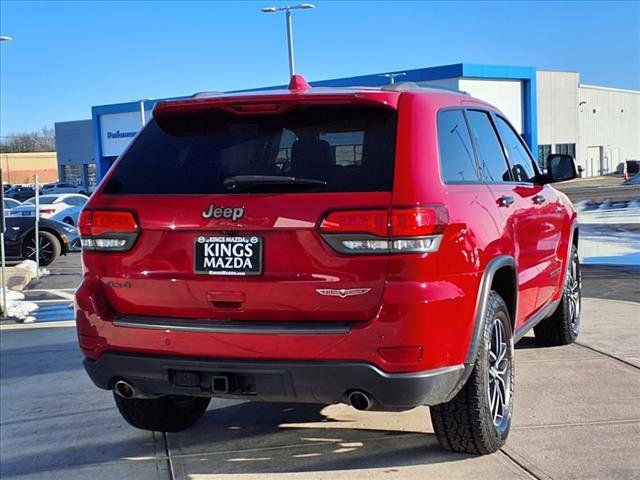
point(117, 130)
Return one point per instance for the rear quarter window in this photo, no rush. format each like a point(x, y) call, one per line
point(457, 161)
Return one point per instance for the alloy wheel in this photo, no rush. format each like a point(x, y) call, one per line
point(46, 249)
point(573, 295)
point(499, 388)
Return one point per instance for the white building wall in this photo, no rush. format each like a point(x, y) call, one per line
point(557, 95)
point(609, 134)
point(506, 95)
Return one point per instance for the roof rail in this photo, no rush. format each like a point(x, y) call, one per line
point(414, 87)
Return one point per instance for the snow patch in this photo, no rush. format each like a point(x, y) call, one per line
point(609, 232)
point(31, 267)
point(17, 308)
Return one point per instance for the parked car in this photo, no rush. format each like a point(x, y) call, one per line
point(20, 193)
point(379, 247)
point(10, 203)
point(6, 186)
point(56, 238)
point(62, 187)
point(64, 207)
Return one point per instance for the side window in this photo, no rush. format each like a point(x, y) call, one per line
point(457, 163)
point(493, 165)
point(75, 201)
point(521, 162)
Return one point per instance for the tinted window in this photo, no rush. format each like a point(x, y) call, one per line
point(493, 165)
point(521, 166)
point(457, 162)
point(352, 149)
point(76, 201)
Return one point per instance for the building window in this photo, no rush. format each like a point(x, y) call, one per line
point(543, 152)
point(566, 149)
point(91, 175)
point(72, 174)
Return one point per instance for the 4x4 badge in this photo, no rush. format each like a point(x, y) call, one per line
point(342, 293)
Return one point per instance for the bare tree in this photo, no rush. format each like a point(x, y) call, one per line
point(42, 141)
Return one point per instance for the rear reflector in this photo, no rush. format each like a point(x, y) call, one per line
point(399, 230)
point(401, 354)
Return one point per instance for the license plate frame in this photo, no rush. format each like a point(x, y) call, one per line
point(211, 255)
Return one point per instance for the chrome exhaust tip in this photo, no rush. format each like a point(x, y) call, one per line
point(124, 389)
point(360, 400)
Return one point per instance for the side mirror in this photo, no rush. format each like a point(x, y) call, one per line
point(560, 167)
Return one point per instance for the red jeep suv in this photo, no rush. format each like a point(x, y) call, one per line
point(381, 247)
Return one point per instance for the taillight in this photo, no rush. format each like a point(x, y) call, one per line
point(398, 230)
point(47, 211)
point(107, 230)
point(375, 222)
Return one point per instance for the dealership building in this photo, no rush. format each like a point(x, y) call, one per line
point(553, 111)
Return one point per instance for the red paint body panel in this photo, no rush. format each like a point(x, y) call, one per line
point(427, 299)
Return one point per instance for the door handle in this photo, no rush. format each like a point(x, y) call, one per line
point(539, 199)
point(505, 201)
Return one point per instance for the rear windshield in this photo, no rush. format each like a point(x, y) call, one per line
point(351, 149)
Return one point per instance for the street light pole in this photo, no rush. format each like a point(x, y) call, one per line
point(287, 10)
point(392, 76)
point(3, 279)
point(292, 68)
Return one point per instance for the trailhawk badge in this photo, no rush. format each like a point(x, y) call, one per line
point(342, 293)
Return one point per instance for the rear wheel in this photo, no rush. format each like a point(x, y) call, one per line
point(563, 326)
point(477, 420)
point(170, 413)
point(49, 246)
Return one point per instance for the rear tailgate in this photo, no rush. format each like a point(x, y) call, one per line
point(191, 259)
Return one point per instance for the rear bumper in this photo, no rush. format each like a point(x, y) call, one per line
point(309, 381)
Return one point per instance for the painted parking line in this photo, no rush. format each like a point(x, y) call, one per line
point(53, 313)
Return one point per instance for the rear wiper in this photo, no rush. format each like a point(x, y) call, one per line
point(244, 182)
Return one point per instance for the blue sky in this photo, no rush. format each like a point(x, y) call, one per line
point(69, 56)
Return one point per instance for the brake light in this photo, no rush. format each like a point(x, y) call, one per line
point(375, 222)
point(418, 221)
point(256, 107)
point(47, 211)
point(107, 229)
point(398, 230)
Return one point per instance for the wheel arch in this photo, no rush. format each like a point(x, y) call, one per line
point(499, 275)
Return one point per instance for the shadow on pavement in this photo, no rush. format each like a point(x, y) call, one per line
point(38, 359)
point(255, 437)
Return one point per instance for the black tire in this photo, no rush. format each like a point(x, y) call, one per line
point(475, 420)
point(170, 413)
point(68, 220)
point(50, 248)
point(563, 327)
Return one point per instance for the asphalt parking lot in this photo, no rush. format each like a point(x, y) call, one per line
point(577, 413)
